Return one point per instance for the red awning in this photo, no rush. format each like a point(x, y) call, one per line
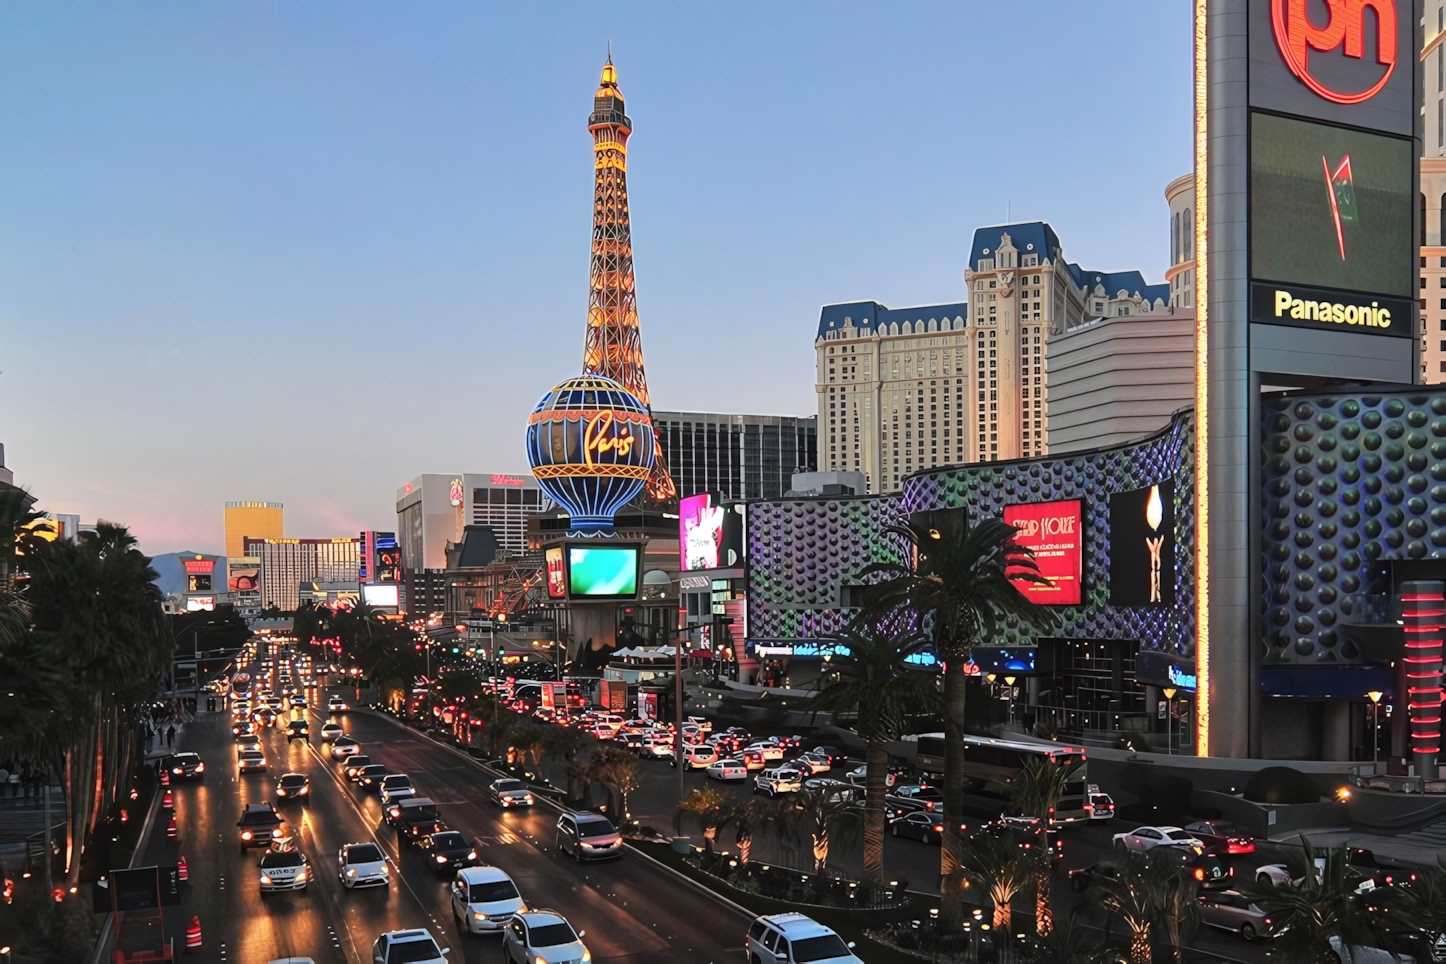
point(701, 654)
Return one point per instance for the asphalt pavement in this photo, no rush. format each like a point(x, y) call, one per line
point(631, 909)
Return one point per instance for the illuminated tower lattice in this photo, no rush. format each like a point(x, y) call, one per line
point(614, 345)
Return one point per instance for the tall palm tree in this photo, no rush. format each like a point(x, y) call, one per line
point(998, 861)
point(958, 582)
point(711, 808)
point(823, 814)
point(748, 816)
point(1421, 904)
point(1070, 943)
point(1142, 895)
point(875, 679)
point(1036, 792)
point(1323, 905)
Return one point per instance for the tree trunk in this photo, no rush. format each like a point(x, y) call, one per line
point(820, 851)
point(951, 869)
point(709, 835)
point(1003, 914)
point(876, 757)
point(1043, 915)
point(745, 848)
point(1140, 946)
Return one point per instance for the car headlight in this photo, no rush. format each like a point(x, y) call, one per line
point(472, 855)
point(304, 790)
point(265, 879)
point(177, 771)
point(281, 791)
point(478, 916)
point(200, 768)
point(245, 835)
point(351, 871)
point(441, 859)
point(301, 876)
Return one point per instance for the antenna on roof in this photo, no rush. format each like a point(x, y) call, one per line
point(1008, 209)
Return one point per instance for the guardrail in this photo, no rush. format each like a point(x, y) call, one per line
point(1395, 784)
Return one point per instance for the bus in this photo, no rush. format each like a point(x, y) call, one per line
point(991, 766)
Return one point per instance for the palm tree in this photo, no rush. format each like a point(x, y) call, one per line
point(1001, 863)
point(1036, 792)
point(1143, 894)
point(1070, 943)
point(961, 587)
point(711, 808)
point(1421, 904)
point(823, 813)
point(1323, 905)
point(748, 815)
point(875, 679)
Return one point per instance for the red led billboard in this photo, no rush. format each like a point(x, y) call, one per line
point(1054, 530)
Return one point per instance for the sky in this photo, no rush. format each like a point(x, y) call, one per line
point(302, 253)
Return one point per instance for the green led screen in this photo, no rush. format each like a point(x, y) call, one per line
point(1330, 207)
point(603, 572)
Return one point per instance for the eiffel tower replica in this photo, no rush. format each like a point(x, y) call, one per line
point(614, 345)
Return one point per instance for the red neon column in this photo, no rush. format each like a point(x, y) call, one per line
point(1423, 612)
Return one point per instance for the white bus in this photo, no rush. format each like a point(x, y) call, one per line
point(991, 766)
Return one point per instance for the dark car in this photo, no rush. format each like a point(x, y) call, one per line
point(835, 756)
point(298, 730)
point(186, 766)
point(1086, 877)
point(370, 776)
point(915, 796)
point(1382, 873)
point(1223, 837)
point(632, 739)
point(923, 825)
point(1206, 868)
point(447, 850)
point(260, 824)
point(355, 763)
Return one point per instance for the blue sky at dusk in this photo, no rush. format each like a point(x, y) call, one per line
point(304, 252)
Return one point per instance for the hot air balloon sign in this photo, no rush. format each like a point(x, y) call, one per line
point(590, 444)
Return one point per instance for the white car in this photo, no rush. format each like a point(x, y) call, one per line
point(484, 899)
point(510, 792)
point(408, 947)
point(344, 747)
point(784, 938)
point(697, 756)
point(778, 780)
point(816, 762)
point(769, 751)
point(336, 704)
point(542, 937)
point(362, 865)
point(396, 786)
point(283, 867)
point(1148, 838)
point(728, 770)
point(331, 731)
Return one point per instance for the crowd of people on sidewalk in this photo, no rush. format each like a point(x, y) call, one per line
point(20, 781)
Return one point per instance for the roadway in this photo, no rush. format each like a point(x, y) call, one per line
point(631, 909)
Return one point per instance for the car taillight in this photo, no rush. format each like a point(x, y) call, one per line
point(1199, 873)
point(1089, 808)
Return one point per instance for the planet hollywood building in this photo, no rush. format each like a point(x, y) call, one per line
point(1251, 579)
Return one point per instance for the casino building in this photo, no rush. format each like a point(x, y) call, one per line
point(1265, 575)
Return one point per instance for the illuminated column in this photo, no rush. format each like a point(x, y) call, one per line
point(1423, 611)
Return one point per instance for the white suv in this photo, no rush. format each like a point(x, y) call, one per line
point(408, 947)
point(778, 780)
point(784, 938)
point(484, 899)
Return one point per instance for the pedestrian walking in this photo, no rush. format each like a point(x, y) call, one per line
point(171, 735)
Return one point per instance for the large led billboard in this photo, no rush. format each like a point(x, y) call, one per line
point(710, 533)
point(1331, 208)
point(1054, 530)
point(1142, 546)
point(383, 596)
point(603, 572)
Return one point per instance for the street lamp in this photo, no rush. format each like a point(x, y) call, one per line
point(1169, 692)
point(1375, 697)
point(1009, 682)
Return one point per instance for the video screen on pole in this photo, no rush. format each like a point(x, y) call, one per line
point(556, 581)
point(1331, 207)
point(602, 572)
point(710, 533)
point(1054, 531)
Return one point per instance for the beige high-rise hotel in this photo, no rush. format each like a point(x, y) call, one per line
point(900, 390)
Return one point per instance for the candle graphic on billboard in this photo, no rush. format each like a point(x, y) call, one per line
point(1154, 515)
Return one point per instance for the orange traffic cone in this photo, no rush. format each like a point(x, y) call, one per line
point(168, 802)
point(165, 777)
point(171, 829)
point(181, 872)
point(193, 934)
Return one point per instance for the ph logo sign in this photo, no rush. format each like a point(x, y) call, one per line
point(1343, 34)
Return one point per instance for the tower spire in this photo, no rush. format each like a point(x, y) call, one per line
point(614, 346)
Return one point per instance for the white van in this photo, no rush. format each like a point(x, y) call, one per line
point(778, 780)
